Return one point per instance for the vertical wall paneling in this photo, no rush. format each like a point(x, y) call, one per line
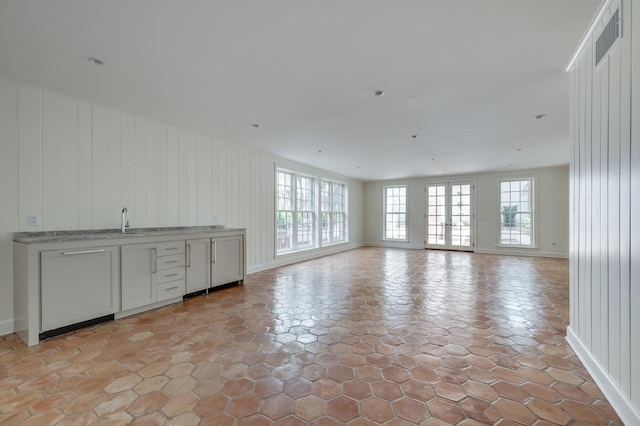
point(588, 235)
point(163, 176)
point(151, 165)
point(173, 177)
point(208, 182)
point(192, 179)
point(128, 164)
point(115, 169)
point(625, 195)
point(85, 173)
point(254, 202)
point(182, 170)
point(139, 213)
point(199, 181)
point(572, 203)
point(583, 287)
point(606, 332)
point(50, 161)
point(215, 192)
point(29, 155)
point(9, 197)
point(614, 215)
point(68, 161)
point(222, 184)
point(603, 71)
point(596, 235)
point(634, 34)
point(100, 167)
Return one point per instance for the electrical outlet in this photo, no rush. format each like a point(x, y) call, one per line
point(33, 219)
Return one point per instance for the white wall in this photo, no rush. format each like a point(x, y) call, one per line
point(78, 164)
point(605, 200)
point(551, 210)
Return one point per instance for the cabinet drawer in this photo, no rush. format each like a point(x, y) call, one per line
point(170, 290)
point(170, 275)
point(171, 247)
point(166, 262)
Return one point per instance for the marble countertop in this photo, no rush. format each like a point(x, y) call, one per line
point(107, 234)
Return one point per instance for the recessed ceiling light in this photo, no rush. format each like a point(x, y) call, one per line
point(433, 159)
point(414, 136)
point(256, 125)
point(378, 93)
point(539, 116)
point(96, 61)
point(319, 151)
point(519, 149)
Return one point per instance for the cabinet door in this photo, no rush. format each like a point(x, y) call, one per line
point(198, 264)
point(227, 260)
point(78, 285)
point(138, 271)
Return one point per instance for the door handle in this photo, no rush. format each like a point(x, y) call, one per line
point(68, 253)
point(215, 251)
point(188, 255)
point(154, 260)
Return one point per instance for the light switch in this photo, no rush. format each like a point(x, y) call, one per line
point(34, 220)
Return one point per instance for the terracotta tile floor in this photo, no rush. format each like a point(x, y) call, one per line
point(370, 336)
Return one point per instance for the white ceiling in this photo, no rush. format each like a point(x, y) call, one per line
point(467, 76)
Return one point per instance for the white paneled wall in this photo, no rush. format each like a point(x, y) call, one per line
point(77, 164)
point(605, 284)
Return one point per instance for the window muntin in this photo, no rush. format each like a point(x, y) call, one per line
point(332, 203)
point(516, 212)
point(395, 212)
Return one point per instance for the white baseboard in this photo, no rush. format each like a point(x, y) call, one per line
point(516, 252)
point(394, 245)
point(628, 412)
point(6, 327)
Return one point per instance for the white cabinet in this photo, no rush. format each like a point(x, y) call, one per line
point(77, 286)
point(198, 264)
point(69, 279)
point(227, 260)
point(170, 271)
point(138, 271)
point(152, 273)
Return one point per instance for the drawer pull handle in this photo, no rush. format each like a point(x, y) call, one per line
point(68, 253)
point(175, 287)
point(171, 248)
point(171, 275)
point(171, 261)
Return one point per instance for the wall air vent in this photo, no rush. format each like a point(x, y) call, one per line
point(608, 36)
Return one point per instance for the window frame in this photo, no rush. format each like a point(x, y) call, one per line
point(294, 211)
point(405, 212)
point(315, 201)
point(531, 212)
point(332, 213)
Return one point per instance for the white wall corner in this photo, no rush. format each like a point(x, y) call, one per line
point(628, 412)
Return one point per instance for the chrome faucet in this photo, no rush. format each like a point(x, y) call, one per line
point(124, 224)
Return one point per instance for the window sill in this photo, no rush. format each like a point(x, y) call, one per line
point(389, 240)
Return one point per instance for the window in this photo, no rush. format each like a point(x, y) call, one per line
point(395, 212)
point(295, 215)
point(334, 217)
point(516, 212)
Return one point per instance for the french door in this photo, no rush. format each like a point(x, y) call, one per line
point(449, 216)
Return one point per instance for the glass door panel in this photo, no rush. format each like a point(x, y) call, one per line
point(449, 216)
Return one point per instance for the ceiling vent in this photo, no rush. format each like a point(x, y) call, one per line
point(608, 36)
